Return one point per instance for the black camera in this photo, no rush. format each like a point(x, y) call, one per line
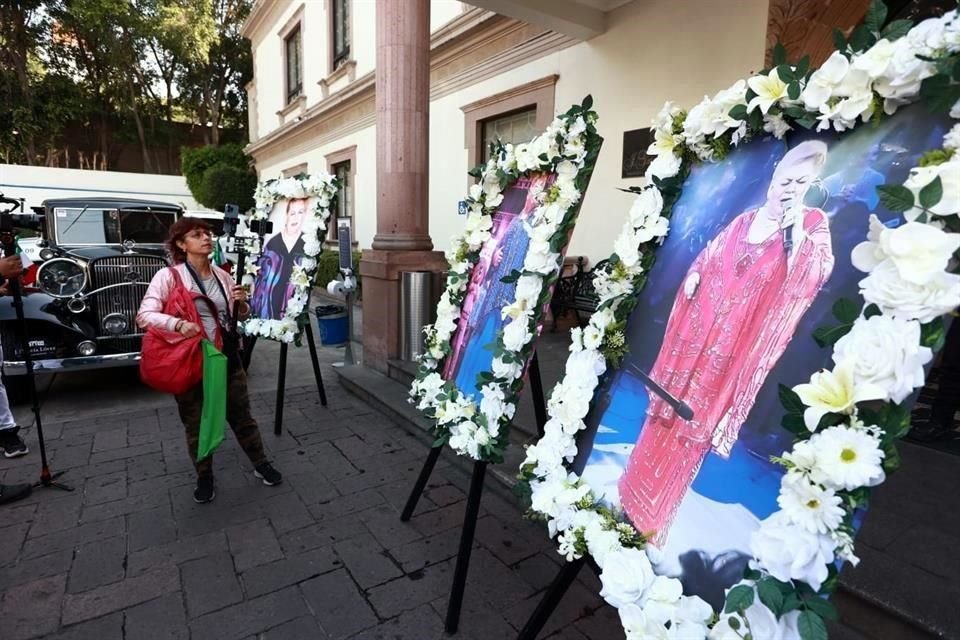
point(231, 219)
point(231, 222)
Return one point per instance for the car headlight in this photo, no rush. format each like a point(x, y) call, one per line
point(61, 278)
point(115, 324)
point(87, 348)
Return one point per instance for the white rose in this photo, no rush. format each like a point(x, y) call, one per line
point(506, 371)
point(886, 352)
point(920, 251)
point(626, 575)
point(949, 173)
point(665, 165)
point(788, 552)
point(540, 262)
point(585, 366)
point(602, 542)
point(886, 288)
point(517, 333)
point(627, 246)
point(528, 289)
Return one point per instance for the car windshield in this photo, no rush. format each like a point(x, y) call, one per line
point(81, 226)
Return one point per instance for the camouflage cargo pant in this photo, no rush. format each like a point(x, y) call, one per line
point(241, 421)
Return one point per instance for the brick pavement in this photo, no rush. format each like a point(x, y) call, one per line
point(129, 555)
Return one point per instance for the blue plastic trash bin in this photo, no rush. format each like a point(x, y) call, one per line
point(332, 321)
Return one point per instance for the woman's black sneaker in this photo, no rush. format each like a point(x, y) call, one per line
point(12, 444)
point(268, 474)
point(204, 492)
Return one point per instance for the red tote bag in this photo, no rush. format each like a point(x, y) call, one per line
point(170, 362)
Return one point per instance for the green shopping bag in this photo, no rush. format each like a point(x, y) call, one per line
point(214, 412)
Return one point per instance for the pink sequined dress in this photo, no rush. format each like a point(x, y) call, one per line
point(717, 350)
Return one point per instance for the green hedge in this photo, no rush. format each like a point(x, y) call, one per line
point(217, 175)
point(224, 184)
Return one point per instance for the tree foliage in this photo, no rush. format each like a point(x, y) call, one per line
point(124, 70)
point(217, 175)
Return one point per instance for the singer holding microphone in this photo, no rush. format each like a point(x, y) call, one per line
point(732, 319)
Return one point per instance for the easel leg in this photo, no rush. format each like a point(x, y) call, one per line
point(420, 483)
point(536, 387)
point(281, 383)
point(565, 577)
point(466, 546)
point(316, 365)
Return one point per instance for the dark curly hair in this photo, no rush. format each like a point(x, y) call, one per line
point(181, 228)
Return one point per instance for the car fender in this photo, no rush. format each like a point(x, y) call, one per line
point(38, 306)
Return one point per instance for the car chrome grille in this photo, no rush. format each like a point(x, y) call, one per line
point(127, 271)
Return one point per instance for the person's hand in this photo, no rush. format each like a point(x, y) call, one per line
point(189, 329)
point(239, 293)
point(11, 267)
point(4, 289)
point(691, 284)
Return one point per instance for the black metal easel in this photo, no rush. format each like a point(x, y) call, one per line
point(552, 597)
point(282, 374)
point(474, 495)
point(282, 378)
point(9, 243)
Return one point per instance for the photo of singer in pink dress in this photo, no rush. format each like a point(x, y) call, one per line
point(759, 250)
point(480, 319)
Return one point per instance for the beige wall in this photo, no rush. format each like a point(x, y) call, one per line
point(652, 51)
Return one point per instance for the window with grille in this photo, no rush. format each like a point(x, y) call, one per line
point(341, 32)
point(513, 128)
point(293, 47)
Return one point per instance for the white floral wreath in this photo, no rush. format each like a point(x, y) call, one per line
point(323, 187)
point(843, 447)
point(568, 148)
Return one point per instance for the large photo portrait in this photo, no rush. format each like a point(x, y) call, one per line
point(521, 212)
point(282, 251)
point(283, 262)
point(758, 252)
point(481, 317)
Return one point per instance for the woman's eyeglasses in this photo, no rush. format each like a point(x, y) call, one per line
point(200, 234)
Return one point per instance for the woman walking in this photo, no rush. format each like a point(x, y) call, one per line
point(190, 243)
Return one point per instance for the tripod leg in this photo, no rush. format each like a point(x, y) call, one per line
point(316, 365)
point(536, 387)
point(565, 577)
point(466, 546)
point(420, 483)
point(46, 478)
point(281, 383)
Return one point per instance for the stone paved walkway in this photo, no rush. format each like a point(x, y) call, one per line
point(129, 555)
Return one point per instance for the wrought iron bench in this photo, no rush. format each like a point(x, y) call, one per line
point(575, 293)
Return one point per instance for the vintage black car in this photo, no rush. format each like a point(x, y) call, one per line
point(98, 256)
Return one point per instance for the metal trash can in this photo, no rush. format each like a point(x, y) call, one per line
point(417, 309)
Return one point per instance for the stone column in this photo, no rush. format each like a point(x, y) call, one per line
point(402, 242)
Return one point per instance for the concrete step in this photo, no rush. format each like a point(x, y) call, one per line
point(402, 371)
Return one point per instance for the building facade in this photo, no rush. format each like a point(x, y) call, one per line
point(497, 68)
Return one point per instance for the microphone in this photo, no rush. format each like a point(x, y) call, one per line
point(682, 408)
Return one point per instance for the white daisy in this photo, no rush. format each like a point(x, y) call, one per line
point(809, 505)
point(848, 458)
